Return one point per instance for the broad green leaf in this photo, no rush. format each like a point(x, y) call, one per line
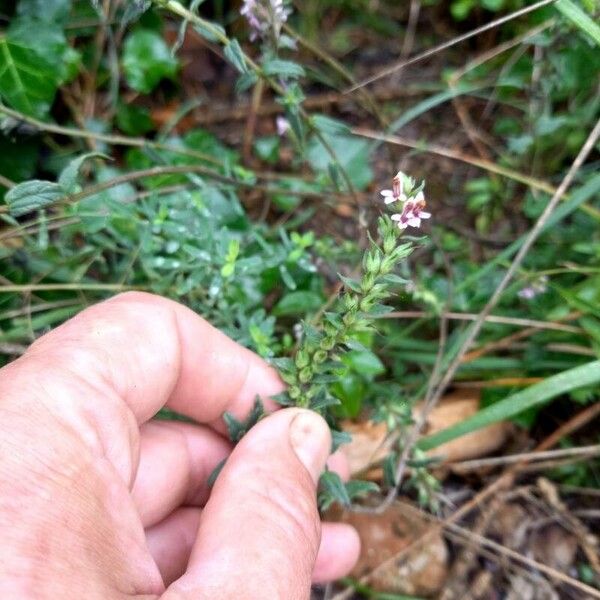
point(351, 153)
point(48, 41)
point(133, 120)
point(328, 125)
point(351, 389)
point(147, 60)
point(580, 19)
point(51, 11)
point(69, 177)
point(32, 195)
point(366, 363)
point(298, 303)
point(28, 81)
point(533, 396)
point(282, 68)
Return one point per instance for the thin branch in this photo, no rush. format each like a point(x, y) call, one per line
point(520, 256)
point(472, 465)
point(116, 140)
point(457, 40)
point(43, 287)
point(516, 321)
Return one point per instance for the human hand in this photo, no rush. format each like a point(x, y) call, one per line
point(99, 502)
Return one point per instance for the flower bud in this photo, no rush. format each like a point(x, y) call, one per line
point(305, 375)
point(367, 282)
point(302, 359)
point(320, 356)
point(327, 343)
point(349, 319)
point(373, 261)
point(350, 302)
point(294, 392)
point(389, 242)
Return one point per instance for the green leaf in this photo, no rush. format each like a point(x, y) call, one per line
point(282, 68)
point(28, 81)
point(213, 32)
point(360, 489)
point(350, 152)
point(146, 60)
point(237, 429)
point(351, 389)
point(235, 55)
point(32, 195)
point(215, 473)
point(366, 363)
point(133, 120)
point(245, 81)
point(69, 177)
point(515, 404)
point(350, 283)
point(51, 11)
point(298, 303)
point(580, 19)
point(332, 489)
point(328, 125)
point(339, 438)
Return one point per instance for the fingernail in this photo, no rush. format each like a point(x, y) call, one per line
point(311, 441)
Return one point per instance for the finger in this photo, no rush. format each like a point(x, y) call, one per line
point(170, 542)
point(153, 351)
point(117, 363)
point(260, 529)
point(338, 552)
point(176, 460)
point(338, 462)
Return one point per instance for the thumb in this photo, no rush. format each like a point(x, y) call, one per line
point(259, 532)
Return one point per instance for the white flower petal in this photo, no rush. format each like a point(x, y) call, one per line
point(385, 193)
point(420, 197)
point(402, 225)
point(425, 215)
point(414, 222)
point(390, 199)
point(396, 217)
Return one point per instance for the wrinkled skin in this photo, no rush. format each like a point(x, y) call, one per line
point(99, 502)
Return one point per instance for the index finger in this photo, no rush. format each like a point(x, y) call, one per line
point(152, 352)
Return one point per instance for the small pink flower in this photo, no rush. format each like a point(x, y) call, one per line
point(282, 125)
point(389, 196)
point(535, 288)
point(397, 192)
point(398, 185)
point(412, 213)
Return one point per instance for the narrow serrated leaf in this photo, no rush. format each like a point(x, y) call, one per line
point(32, 195)
point(339, 438)
point(332, 489)
point(235, 55)
point(215, 473)
point(350, 283)
point(282, 68)
point(69, 176)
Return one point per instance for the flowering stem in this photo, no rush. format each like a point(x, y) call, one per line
point(314, 364)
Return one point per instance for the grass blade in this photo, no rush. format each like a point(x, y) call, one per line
point(535, 395)
point(580, 19)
